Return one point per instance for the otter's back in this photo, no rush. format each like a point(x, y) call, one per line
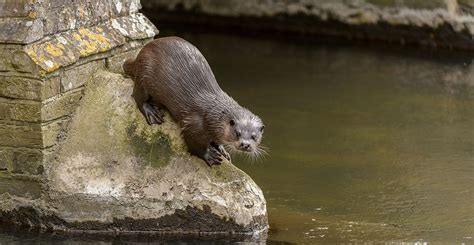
point(175, 73)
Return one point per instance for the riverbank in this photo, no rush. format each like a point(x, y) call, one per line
point(446, 24)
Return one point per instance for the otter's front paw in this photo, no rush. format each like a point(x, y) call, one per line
point(215, 155)
point(223, 152)
point(153, 115)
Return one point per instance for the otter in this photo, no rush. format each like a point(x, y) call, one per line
point(171, 73)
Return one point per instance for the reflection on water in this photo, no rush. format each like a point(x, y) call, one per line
point(364, 145)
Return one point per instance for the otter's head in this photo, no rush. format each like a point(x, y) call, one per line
point(245, 133)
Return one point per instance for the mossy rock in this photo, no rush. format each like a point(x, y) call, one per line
point(113, 172)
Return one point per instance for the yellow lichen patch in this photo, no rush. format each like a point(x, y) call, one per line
point(92, 42)
point(77, 36)
point(32, 14)
point(66, 48)
point(39, 58)
point(53, 50)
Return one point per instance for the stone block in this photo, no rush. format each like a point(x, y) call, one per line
point(20, 30)
point(6, 159)
point(83, 13)
point(29, 88)
point(20, 110)
point(6, 54)
point(101, 9)
point(134, 6)
point(21, 62)
point(14, 8)
point(78, 75)
point(114, 63)
point(20, 88)
point(20, 186)
point(119, 7)
point(135, 26)
point(60, 19)
point(28, 135)
point(67, 48)
point(13, 58)
point(61, 106)
point(27, 161)
point(51, 87)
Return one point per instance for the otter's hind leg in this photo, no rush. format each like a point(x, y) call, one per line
point(152, 112)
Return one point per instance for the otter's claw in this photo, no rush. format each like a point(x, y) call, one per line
point(216, 154)
point(223, 152)
point(153, 115)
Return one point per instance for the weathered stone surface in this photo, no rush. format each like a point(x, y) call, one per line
point(54, 131)
point(61, 18)
point(63, 105)
point(76, 76)
point(6, 54)
point(415, 4)
point(67, 48)
point(13, 58)
point(115, 172)
point(51, 87)
point(28, 135)
point(6, 159)
point(124, 7)
point(135, 26)
point(20, 30)
point(466, 6)
point(20, 110)
point(27, 161)
point(20, 88)
point(21, 62)
point(90, 12)
point(18, 186)
point(115, 63)
point(16, 8)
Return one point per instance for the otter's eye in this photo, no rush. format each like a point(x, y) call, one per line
point(232, 122)
point(261, 129)
point(254, 137)
point(237, 134)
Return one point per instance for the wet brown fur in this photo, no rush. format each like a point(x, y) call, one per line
point(171, 73)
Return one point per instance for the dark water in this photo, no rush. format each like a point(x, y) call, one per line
point(366, 145)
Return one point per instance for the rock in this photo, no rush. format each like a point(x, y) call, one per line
point(113, 172)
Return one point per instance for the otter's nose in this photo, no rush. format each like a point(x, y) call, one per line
point(245, 146)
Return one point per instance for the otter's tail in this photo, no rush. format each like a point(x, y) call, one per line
point(129, 67)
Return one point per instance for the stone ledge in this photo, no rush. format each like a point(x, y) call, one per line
point(66, 48)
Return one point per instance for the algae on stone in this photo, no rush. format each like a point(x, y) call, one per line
point(114, 166)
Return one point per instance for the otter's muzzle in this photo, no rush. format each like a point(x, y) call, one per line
point(245, 146)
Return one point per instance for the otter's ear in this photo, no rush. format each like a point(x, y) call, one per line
point(232, 122)
point(262, 128)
